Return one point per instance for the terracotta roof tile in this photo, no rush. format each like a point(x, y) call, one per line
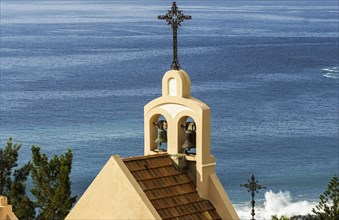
point(171, 192)
point(166, 181)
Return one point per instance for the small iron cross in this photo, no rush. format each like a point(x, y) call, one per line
point(174, 17)
point(253, 187)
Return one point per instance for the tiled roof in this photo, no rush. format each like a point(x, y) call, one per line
point(171, 192)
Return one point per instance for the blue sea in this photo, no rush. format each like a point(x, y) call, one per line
point(77, 74)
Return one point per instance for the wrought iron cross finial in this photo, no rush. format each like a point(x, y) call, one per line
point(174, 17)
point(253, 187)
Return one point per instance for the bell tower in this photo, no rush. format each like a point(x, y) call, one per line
point(175, 106)
point(165, 118)
point(183, 122)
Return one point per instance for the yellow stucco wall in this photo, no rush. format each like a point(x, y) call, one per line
point(218, 197)
point(114, 194)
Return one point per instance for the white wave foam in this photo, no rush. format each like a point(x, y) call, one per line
point(331, 72)
point(279, 204)
point(332, 75)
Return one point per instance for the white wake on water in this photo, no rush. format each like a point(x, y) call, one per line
point(279, 204)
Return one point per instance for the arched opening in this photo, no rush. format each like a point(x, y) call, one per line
point(187, 135)
point(172, 87)
point(158, 131)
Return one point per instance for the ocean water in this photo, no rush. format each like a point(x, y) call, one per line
point(76, 74)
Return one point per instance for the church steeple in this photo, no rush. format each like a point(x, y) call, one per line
point(175, 108)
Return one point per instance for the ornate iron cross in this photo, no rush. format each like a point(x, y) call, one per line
point(174, 17)
point(253, 187)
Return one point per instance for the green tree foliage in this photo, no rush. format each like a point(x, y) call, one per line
point(296, 217)
point(52, 185)
point(9, 160)
point(23, 206)
point(13, 183)
point(274, 217)
point(328, 205)
point(50, 178)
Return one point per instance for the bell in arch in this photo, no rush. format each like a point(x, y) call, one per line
point(162, 133)
point(190, 141)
